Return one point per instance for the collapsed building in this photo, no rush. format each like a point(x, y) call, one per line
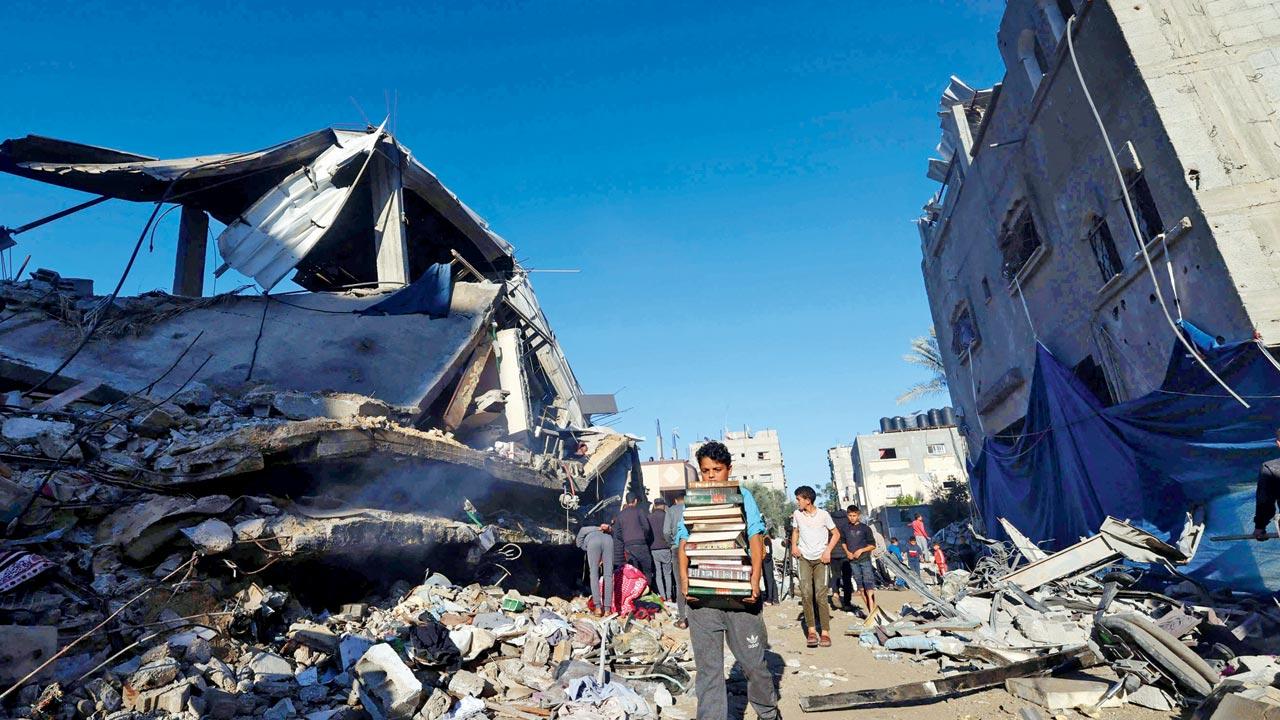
point(409, 405)
point(1100, 261)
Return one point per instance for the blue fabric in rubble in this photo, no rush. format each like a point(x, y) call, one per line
point(431, 294)
point(1149, 460)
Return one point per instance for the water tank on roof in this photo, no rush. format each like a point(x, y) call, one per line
point(899, 423)
point(922, 421)
point(886, 424)
point(948, 415)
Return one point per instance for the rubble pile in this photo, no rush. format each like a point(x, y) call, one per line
point(140, 533)
point(426, 652)
point(1092, 617)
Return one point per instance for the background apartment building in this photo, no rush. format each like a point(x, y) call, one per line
point(879, 468)
point(757, 457)
point(1028, 238)
point(667, 478)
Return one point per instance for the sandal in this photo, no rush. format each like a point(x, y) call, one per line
point(682, 624)
point(825, 641)
point(812, 640)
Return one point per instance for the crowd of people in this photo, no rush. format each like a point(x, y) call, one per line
point(824, 560)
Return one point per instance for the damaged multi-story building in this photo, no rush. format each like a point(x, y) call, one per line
point(407, 394)
point(1028, 238)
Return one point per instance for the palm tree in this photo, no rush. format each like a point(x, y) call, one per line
point(925, 353)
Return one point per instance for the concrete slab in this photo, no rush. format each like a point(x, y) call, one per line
point(1236, 707)
point(24, 648)
point(1062, 693)
point(311, 344)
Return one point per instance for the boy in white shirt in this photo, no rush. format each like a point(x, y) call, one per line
point(813, 537)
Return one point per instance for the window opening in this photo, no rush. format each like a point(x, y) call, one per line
point(1144, 206)
point(1104, 251)
point(964, 331)
point(888, 453)
point(1020, 240)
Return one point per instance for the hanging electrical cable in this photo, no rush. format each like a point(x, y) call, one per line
point(1133, 218)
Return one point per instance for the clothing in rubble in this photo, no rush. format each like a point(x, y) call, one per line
point(431, 643)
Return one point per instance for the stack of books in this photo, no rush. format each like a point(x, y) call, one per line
point(719, 559)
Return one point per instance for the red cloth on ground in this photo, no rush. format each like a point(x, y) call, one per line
point(628, 584)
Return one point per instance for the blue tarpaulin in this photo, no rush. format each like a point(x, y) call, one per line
point(431, 294)
point(1150, 460)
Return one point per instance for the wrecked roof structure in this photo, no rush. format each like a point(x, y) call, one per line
point(413, 373)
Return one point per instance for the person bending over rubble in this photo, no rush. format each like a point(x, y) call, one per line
point(1268, 494)
point(743, 629)
point(596, 541)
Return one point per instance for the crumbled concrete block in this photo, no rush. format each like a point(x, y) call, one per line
point(211, 537)
point(351, 648)
point(313, 694)
point(159, 420)
point(270, 667)
point(388, 688)
point(195, 395)
point(340, 406)
point(280, 711)
point(437, 704)
point(1238, 707)
point(219, 704)
point(23, 649)
point(1062, 693)
point(1151, 697)
point(155, 674)
point(464, 683)
point(170, 698)
point(314, 636)
point(250, 529)
point(27, 429)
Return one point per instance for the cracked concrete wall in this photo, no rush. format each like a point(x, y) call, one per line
point(1151, 83)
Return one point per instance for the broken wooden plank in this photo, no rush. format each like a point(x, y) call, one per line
point(71, 395)
point(1076, 658)
point(465, 391)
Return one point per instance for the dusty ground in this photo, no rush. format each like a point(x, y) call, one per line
point(856, 669)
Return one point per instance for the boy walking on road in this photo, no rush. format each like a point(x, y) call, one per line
point(859, 542)
point(813, 536)
point(711, 628)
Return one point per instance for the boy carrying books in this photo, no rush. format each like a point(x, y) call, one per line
point(724, 610)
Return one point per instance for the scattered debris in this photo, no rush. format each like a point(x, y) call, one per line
point(1114, 602)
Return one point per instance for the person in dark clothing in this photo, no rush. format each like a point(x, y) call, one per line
point(632, 528)
point(770, 581)
point(859, 542)
point(1268, 495)
point(840, 577)
point(661, 551)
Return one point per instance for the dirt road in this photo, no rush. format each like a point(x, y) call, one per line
point(846, 666)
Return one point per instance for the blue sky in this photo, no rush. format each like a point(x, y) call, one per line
point(735, 182)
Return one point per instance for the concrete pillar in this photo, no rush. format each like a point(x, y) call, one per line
point(193, 240)
point(389, 237)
